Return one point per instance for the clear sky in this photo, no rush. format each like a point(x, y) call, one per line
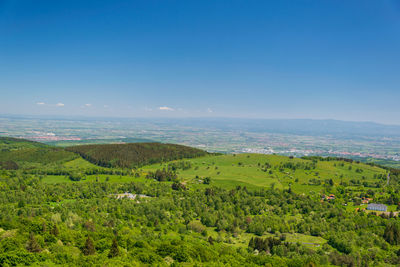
point(259, 59)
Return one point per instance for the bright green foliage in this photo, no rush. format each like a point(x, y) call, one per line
point(258, 211)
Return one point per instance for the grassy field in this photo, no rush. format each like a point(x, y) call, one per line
point(247, 170)
point(351, 207)
point(242, 239)
point(79, 163)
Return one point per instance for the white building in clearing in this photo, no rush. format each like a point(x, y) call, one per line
point(377, 207)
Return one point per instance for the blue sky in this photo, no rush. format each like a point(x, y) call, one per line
point(257, 59)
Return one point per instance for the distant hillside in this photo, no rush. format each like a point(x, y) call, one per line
point(16, 151)
point(17, 143)
point(134, 154)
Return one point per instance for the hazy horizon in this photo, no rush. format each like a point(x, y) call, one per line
point(77, 117)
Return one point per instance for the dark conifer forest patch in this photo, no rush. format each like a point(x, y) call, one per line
point(134, 154)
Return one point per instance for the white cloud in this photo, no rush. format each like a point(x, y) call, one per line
point(88, 105)
point(106, 106)
point(148, 109)
point(209, 110)
point(60, 105)
point(40, 103)
point(166, 108)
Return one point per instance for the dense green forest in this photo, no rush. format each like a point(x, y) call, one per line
point(214, 210)
point(134, 154)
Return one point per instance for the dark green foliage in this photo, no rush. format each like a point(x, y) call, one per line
point(8, 165)
point(135, 154)
point(178, 186)
point(340, 243)
point(37, 155)
point(342, 260)
point(88, 248)
point(206, 180)
point(266, 244)
point(32, 245)
point(54, 231)
point(114, 250)
point(295, 166)
point(162, 175)
point(75, 177)
point(318, 158)
point(392, 233)
point(183, 165)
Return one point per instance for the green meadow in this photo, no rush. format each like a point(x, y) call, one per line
point(248, 170)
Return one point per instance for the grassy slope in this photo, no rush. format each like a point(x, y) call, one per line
point(250, 174)
point(79, 163)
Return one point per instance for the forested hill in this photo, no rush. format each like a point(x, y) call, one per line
point(17, 143)
point(16, 152)
point(134, 154)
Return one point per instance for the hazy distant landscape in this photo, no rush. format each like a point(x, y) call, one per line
point(358, 140)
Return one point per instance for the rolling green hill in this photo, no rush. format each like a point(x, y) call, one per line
point(11, 143)
point(25, 152)
point(257, 170)
point(134, 154)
